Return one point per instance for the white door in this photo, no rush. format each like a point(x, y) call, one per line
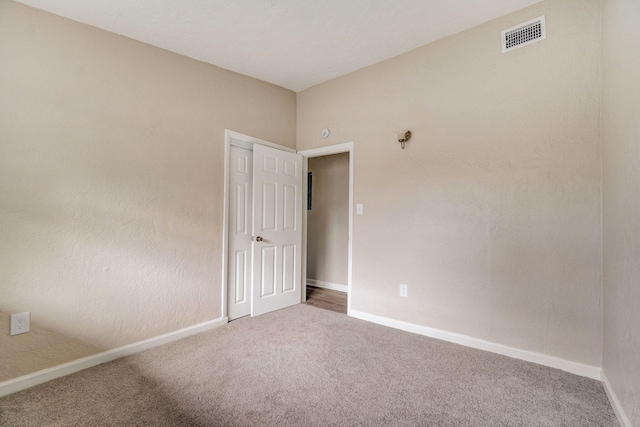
point(277, 229)
point(240, 223)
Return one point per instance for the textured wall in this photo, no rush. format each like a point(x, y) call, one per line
point(328, 221)
point(492, 213)
point(40, 348)
point(621, 200)
point(111, 182)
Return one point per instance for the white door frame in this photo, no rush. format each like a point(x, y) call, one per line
point(347, 147)
point(244, 141)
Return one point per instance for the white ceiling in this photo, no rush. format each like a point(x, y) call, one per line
point(291, 43)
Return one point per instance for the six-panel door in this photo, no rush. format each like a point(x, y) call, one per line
point(277, 229)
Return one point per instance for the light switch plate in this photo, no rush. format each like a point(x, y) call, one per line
point(359, 209)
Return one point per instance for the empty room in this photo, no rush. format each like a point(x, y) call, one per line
point(456, 181)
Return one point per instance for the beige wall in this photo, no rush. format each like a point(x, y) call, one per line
point(111, 184)
point(491, 214)
point(111, 168)
point(328, 220)
point(621, 200)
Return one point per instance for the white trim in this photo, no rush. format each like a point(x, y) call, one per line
point(327, 285)
point(615, 403)
point(245, 141)
point(250, 141)
point(347, 147)
point(305, 203)
point(225, 222)
point(30, 380)
point(588, 371)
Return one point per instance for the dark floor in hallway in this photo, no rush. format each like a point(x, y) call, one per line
point(327, 299)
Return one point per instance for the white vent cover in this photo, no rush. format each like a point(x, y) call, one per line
point(524, 34)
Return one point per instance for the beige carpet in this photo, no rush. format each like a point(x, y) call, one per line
point(305, 366)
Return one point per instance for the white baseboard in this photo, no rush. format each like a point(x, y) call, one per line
point(327, 285)
point(30, 380)
point(615, 403)
point(588, 371)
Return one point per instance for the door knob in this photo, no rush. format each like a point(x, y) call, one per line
point(259, 239)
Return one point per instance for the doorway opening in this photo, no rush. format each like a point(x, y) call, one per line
point(328, 227)
point(328, 231)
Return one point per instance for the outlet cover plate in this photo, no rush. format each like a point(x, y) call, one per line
point(404, 290)
point(20, 323)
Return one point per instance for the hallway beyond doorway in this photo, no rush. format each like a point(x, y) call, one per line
point(327, 299)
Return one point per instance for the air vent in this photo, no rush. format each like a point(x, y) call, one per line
point(524, 34)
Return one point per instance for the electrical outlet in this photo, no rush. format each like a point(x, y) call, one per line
point(404, 290)
point(20, 323)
